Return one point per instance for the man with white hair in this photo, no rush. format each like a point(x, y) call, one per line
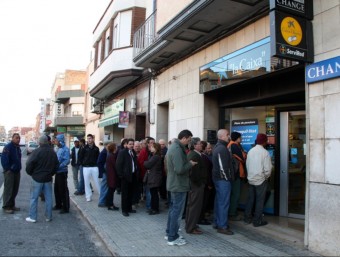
point(41, 166)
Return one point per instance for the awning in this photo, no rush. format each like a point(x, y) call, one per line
point(108, 121)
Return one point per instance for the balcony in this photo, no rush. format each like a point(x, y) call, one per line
point(199, 24)
point(114, 73)
point(65, 121)
point(64, 95)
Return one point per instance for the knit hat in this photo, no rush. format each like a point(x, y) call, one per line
point(43, 140)
point(235, 135)
point(261, 139)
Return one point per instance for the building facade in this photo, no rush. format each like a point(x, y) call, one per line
point(68, 104)
point(118, 89)
point(215, 65)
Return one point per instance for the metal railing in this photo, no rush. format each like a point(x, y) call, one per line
point(145, 35)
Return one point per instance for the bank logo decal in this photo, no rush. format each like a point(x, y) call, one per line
point(291, 31)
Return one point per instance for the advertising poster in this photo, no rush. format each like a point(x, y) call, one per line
point(123, 119)
point(248, 129)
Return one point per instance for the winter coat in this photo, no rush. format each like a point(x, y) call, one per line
point(124, 165)
point(154, 167)
point(178, 168)
point(42, 164)
point(110, 166)
point(11, 157)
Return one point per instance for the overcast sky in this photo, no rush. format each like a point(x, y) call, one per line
point(39, 38)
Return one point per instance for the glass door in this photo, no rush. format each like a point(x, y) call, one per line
point(292, 163)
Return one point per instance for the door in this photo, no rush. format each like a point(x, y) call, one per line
point(292, 163)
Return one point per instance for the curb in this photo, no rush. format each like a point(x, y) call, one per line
point(102, 235)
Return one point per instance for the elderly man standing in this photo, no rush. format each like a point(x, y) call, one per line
point(41, 166)
point(178, 167)
point(11, 163)
point(259, 167)
point(222, 177)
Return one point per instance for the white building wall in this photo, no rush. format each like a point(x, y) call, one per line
point(179, 85)
point(323, 103)
point(115, 6)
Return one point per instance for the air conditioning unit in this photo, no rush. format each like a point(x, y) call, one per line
point(97, 106)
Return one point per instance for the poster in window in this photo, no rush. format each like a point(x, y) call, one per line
point(123, 119)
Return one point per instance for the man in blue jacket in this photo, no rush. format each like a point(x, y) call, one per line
point(61, 193)
point(11, 163)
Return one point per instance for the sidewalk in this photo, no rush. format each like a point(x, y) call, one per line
point(143, 235)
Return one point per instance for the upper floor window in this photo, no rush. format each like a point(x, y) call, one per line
point(99, 53)
point(107, 43)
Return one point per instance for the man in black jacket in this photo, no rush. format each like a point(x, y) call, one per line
point(41, 165)
point(222, 177)
point(88, 157)
point(127, 170)
point(75, 164)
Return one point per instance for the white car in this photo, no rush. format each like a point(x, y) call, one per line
point(2, 145)
point(31, 147)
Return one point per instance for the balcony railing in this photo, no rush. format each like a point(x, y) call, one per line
point(145, 35)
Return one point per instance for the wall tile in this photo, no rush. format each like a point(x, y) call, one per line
point(331, 86)
point(317, 160)
point(323, 219)
point(317, 122)
point(315, 89)
point(332, 174)
point(332, 107)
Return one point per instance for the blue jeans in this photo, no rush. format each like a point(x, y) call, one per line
point(176, 208)
point(103, 190)
point(222, 202)
point(75, 171)
point(81, 184)
point(36, 189)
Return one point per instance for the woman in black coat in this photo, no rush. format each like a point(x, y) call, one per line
point(154, 176)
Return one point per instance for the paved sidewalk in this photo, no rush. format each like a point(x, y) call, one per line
point(143, 235)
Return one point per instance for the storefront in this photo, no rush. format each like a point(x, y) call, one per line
point(258, 93)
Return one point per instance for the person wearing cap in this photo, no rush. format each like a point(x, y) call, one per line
point(259, 168)
point(41, 166)
point(61, 193)
point(75, 164)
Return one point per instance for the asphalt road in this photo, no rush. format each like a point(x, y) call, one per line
point(66, 235)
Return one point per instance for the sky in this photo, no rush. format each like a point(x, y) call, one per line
point(39, 38)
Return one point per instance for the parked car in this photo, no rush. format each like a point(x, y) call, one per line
point(31, 147)
point(2, 145)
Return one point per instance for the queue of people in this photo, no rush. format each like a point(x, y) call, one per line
point(194, 178)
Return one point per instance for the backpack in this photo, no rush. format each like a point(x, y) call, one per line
point(238, 163)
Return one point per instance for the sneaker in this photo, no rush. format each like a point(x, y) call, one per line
point(48, 220)
point(28, 219)
point(88, 200)
point(180, 237)
point(178, 242)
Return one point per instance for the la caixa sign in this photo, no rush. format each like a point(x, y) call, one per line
point(323, 70)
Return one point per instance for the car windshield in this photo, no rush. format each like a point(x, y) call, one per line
point(33, 145)
point(2, 144)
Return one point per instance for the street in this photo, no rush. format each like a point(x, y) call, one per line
point(66, 235)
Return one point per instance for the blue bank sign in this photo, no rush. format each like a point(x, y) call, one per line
point(323, 70)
